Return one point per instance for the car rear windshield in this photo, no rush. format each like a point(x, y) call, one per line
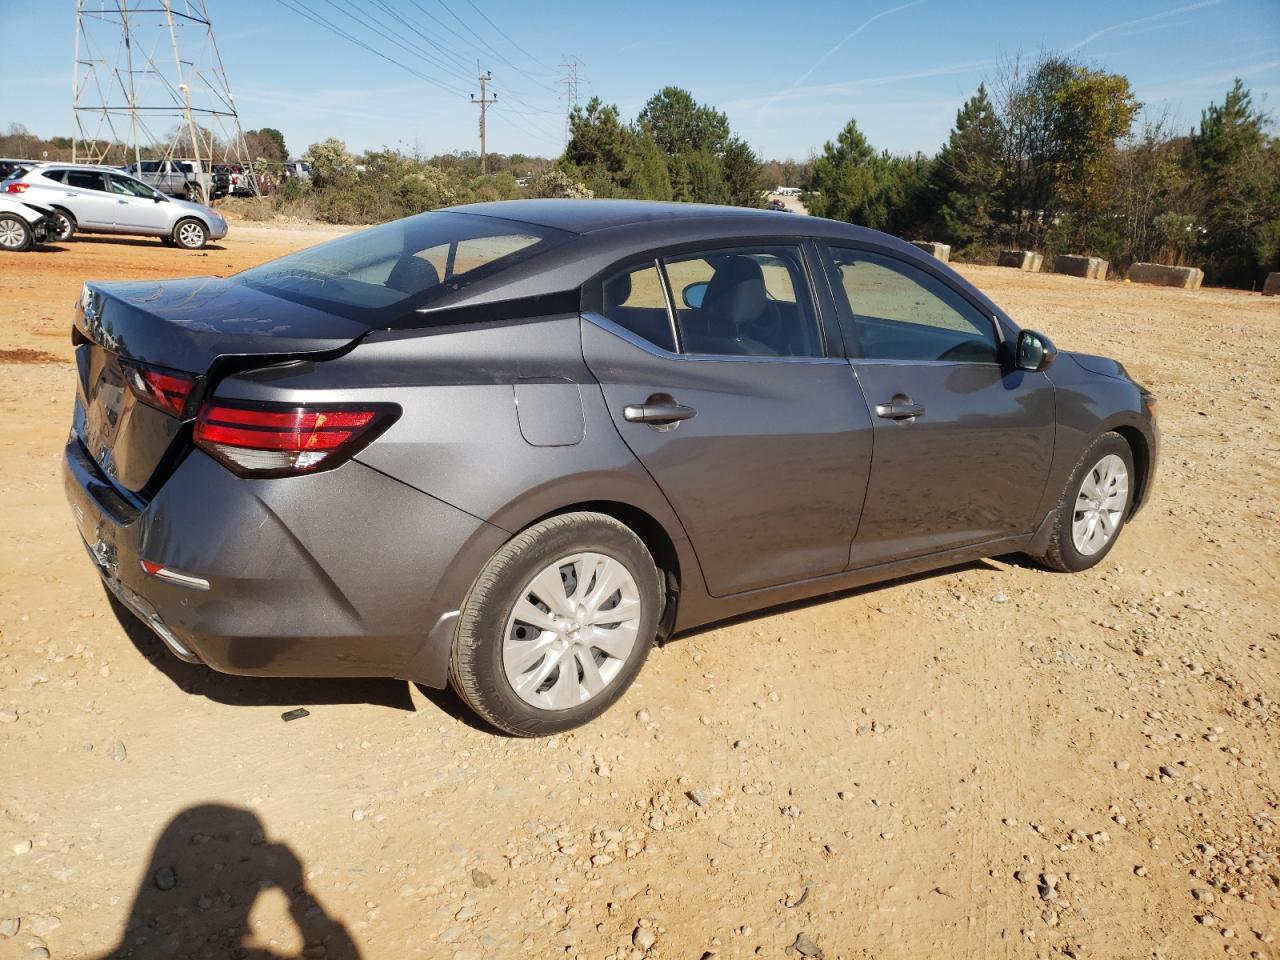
point(382, 273)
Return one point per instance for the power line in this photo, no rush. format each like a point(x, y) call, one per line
point(491, 49)
point(361, 17)
point(506, 37)
point(333, 28)
point(325, 23)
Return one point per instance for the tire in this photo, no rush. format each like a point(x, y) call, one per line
point(1066, 551)
point(190, 234)
point(194, 193)
point(16, 234)
point(63, 226)
point(552, 692)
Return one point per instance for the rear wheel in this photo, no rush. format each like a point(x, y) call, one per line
point(557, 625)
point(1093, 507)
point(15, 233)
point(194, 193)
point(190, 234)
point(61, 226)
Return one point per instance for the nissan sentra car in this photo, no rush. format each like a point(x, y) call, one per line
point(507, 446)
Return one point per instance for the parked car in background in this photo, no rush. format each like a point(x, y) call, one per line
point(298, 169)
point(558, 429)
point(93, 199)
point(777, 205)
point(23, 224)
point(11, 168)
point(240, 180)
point(182, 178)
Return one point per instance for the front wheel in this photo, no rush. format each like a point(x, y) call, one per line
point(190, 234)
point(15, 233)
point(1093, 507)
point(557, 625)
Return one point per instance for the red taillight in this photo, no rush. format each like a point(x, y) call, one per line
point(165, 390)
point(260, 439)
point(16, 187)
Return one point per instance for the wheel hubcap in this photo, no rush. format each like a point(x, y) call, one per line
point(571, 631)
point(189, 235)
point(1100, 505)
point(11, 234)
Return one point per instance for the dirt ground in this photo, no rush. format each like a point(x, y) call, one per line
point(990, 761)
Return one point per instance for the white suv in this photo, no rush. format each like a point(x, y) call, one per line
point(93, 199)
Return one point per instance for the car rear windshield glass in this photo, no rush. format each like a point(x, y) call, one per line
point(376, 275)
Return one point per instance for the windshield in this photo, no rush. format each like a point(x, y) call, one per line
point(380, 273)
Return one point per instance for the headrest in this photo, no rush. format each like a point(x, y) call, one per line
point(735, 294)
point(617, 291)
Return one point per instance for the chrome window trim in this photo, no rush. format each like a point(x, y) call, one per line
point(604, 323)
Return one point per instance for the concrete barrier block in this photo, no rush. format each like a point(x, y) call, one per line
point(1091, 268)
point(939, 251)
point(1272, 287)
point(1027, 260)
point(1184, 278)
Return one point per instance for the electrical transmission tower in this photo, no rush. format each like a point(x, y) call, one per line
point(148, 78)
point(570, 82)
point(483, 103)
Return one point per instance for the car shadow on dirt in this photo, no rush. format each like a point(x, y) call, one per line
point(154, 242)
point(210, 866)
point(258, 691)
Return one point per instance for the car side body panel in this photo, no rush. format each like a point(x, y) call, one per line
point(461, 441)
point(1091, 403)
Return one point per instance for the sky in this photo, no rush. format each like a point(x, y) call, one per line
point(788, 81)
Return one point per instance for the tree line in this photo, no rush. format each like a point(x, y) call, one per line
point(1052, 159)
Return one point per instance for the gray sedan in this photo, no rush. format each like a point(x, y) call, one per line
point(91, 199)
point(507, 446)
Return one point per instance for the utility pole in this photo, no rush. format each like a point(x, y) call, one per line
point(570, 82)
point(483, 103)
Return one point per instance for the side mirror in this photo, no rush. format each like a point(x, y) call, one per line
point(1035, 352)
point(692, 295)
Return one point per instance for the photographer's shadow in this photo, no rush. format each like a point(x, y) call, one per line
point(207, 870)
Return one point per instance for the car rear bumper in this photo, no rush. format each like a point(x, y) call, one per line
point(341, 573)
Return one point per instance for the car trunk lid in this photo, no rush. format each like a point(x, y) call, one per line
point(201, 329)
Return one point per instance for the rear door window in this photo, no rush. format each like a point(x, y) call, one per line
point(86, 180)
point(900, 312)
point(745, 301)
point(54, 175)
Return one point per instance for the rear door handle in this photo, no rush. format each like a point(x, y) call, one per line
point(658, 412)
point(899, 408)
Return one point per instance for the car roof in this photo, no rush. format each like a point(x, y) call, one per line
point(74, 166)
point(589, 216)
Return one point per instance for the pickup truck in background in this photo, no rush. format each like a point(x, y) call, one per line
point(182, 178)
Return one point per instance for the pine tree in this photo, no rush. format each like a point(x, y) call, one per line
point(966, 176)
point(842, 180)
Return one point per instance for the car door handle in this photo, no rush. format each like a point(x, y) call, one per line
point(658, 412)
point(899, 408)
point(122, 201)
